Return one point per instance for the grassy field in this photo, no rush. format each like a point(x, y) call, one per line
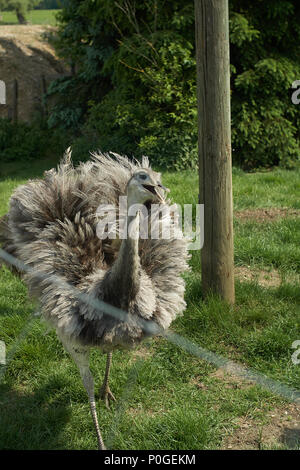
point(33, 17)
point(167, 398)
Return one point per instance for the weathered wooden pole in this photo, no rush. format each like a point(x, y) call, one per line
point(15, 101)
point(215, 175)
point(44, 106)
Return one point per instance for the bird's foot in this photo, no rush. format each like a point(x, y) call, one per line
point(106, 395)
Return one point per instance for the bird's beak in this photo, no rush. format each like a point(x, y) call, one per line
point(157, 189)
point(160, 191)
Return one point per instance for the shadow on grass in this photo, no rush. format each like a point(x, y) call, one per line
point(32, 420)
point(27, 170)
point(290, 437)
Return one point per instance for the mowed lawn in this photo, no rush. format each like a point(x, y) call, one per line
point(166, 397)
point(47, 17)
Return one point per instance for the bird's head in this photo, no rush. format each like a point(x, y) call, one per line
point(145, 186)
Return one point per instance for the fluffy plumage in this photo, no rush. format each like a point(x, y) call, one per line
point(51, 226)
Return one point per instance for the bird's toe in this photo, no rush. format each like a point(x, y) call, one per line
point(107, 396)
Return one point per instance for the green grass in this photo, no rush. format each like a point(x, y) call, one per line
point(269, 244)
point(175, 401)
point(46, 17)
point(277, 188)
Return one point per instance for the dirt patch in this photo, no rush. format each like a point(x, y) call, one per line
point(280, 428)
point(26, 56)
point(231, 380)
point(138, 411)
point(141, 353)
point(198, 383)
point(262, 277)
point(266, 215)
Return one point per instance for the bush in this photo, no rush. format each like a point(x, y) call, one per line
point(265, 123)
point(20, 141)
point(135, 87)
point(158, 118)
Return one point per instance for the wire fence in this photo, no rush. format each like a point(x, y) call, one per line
point(151, 328)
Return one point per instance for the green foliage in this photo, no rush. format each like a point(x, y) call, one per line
point(158, 117)
point(67, 113)
point(145, 98)
point(265, 49)
point(86, 43)
point(134, 89)
point(23, 142)
point(50, 5)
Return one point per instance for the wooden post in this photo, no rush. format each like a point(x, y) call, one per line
point(2, 92)
point(43, 97)
point(15, 101)
point(215, 175)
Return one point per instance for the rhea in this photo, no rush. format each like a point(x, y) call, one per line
point(51, 227)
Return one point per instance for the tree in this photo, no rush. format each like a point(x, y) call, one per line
point(265, 48)
point(50, 5)
point(21, 7)
point(134, 88)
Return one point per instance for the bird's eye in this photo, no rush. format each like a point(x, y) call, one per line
point(143, 177)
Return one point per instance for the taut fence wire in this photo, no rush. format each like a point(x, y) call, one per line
point(150, 328)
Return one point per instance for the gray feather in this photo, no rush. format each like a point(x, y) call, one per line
point(51, 226)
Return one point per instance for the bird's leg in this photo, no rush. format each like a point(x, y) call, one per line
point(105, 392)
point(88, 383)
point(81, 358)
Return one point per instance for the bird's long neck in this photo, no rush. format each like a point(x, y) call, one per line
point(124, 277)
